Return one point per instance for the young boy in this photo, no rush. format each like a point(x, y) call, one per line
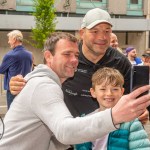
point(107, 88)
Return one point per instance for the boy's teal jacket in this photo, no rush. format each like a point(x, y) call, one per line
point(130, 136)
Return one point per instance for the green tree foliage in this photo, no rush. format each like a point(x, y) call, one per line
point(44, 13)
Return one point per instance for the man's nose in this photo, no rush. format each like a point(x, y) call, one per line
point(74, 59)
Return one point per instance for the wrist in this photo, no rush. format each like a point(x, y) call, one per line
point(115, 119)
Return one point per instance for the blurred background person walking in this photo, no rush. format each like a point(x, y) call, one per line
point(146, 57)
point(16, 61)
point(132, 56)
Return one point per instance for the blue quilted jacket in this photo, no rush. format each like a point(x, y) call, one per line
point(130, 136)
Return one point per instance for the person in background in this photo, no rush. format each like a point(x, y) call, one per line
point(146, 57)
point(94, 52)
point(146, 62)
point(16, 61)
point(132, 56)
point(107, 88)
point(39, 112)
point(114, 42)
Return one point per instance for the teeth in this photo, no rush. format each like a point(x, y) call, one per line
point(109, 99)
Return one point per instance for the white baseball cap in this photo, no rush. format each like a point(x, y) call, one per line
point(95, 16)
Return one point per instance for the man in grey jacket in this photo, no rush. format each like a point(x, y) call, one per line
point(38, 117)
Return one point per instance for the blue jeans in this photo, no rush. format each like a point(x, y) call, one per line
point(10, 98)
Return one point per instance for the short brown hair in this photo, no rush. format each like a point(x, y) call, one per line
point(109, 76)
point(52, 40)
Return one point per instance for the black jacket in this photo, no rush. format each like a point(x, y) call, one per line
point(76, 90)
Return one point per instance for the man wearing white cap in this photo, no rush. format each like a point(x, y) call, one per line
point(95, 52)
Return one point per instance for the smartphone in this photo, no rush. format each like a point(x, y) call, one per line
point(139, 77)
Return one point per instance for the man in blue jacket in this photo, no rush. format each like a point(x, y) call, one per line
point(16, 61)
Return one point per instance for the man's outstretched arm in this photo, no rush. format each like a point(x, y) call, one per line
point(18, 82)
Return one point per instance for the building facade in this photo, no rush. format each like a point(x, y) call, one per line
point(130, 19)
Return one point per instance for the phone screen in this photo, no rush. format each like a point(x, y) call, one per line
point(139, 77)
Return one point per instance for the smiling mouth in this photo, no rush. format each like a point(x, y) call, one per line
point(72, 68)
point(109, 99)
point(101, 43)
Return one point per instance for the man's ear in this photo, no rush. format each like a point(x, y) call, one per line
point(93, 92)
point(81, 32)
point(47, 56)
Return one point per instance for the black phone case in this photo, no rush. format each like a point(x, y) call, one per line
point(139, 77)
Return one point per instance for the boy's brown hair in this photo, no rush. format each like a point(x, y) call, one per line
point(109, 76)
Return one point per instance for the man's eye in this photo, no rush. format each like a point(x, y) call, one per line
point(107, 32)
point(67, 54)
point(94, 31)
point(77, 56)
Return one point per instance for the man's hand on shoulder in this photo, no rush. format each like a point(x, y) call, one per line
point(16, 84)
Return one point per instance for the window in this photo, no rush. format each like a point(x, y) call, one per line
point(93, 0)
point(134, 1)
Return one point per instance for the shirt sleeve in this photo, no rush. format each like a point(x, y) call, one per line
point(6, 62)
